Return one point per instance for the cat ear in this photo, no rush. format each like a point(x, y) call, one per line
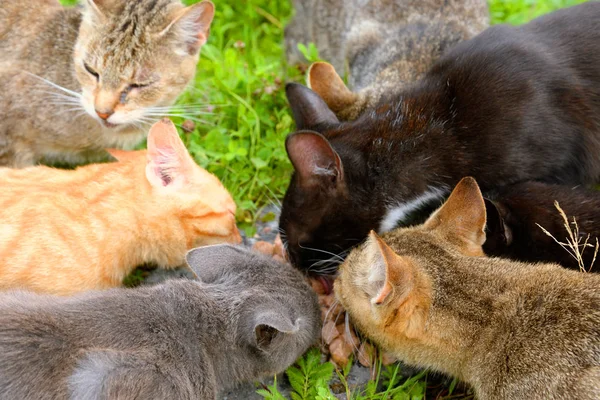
point(208, 262)
point(169, 163)
point(314, 160)
point(389, 272)
point(394, 280)
point(269, 325)
point(192, 25)
point(308, 108)
point(498, 235)
point(94, 12)
point(324, 81)
point(98, 10)
point(462, 217)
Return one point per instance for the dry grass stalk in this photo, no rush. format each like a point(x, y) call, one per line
point(575, 244)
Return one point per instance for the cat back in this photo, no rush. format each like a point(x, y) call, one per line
point(246, 318)
point(512, 104)
point(381, 46)
point(65, 231)
point(511, 330)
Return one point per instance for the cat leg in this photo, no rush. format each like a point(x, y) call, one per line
point(128, 376)
point(22, 155)
point(15, 156)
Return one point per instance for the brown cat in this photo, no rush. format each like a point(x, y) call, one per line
point(384, 45)
point(65, 231)
point(74, 81)
point(511, 330)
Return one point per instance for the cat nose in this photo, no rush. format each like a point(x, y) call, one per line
point(105, 115)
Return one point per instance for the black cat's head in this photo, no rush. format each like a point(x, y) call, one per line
point(343, 182)
point(319, 219)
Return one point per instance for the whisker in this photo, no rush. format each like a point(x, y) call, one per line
point(162, 115)
point(322, 251)
point(333, 306)
point(202, 108)
point(54, 84)
point(348, 335)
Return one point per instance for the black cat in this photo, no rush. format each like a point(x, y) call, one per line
point(513, 104)
point(515, 214)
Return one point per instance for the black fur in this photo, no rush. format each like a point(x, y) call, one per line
point(513, 104)
point(514, 213)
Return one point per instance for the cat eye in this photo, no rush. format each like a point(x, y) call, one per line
point(129, 88)
point(139, 85)
point(91, 71)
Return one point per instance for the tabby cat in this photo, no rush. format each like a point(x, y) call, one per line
point(513, 104)
point(248, 317)
point(511, 330)
point(74, 81)
point(386, 44)
point(65, 231)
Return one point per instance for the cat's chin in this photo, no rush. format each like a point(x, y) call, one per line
point(108, 125)
point(123, 136)
point(119, 128)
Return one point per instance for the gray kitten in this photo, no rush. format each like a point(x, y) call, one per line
point(247, 317)
point(384, 45)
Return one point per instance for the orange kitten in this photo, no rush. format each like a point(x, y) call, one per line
point(67, 231)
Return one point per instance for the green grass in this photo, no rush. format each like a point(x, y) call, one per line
point(243, 142)
point(520, 11)
point(241, 73)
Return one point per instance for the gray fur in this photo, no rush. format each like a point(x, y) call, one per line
point(182, 339)
point(383, 45)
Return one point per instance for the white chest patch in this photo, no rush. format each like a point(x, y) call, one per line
point(398, 213)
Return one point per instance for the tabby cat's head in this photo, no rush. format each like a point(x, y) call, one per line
point(133, 57)
point(388, 284)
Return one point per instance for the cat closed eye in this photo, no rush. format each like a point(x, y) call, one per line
point(139, 85)
point(131, 87)
point(91, 71)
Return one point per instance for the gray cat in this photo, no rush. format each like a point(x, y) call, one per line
point(247, 317)
point(384, 45)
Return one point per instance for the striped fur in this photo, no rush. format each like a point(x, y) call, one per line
point(65, 231)
point(511, 330)
point(63, 68)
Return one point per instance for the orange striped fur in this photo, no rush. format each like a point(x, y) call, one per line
point(67, 231)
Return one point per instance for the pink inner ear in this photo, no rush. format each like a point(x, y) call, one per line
point(312, 156)
point(168, 165)
point(202, 38)
point(383, 294)
point(194, 24)
point(164, 177)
